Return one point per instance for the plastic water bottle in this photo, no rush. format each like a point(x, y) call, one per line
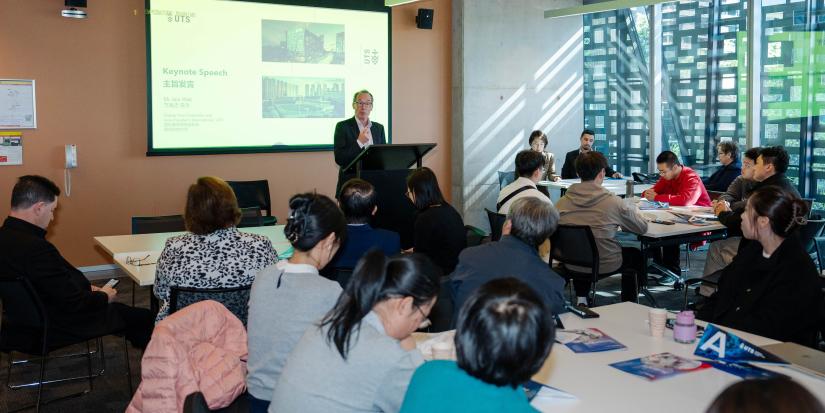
point(628, 189)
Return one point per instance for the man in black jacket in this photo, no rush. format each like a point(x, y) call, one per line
point(568, 170)
point(769, 170)
point(354, 134)
point(76, 309)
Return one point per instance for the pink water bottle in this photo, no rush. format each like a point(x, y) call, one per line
point(684, 331)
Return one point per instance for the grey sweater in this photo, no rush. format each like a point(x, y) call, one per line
point(278, 317)
point(588, 203)
point(373, 378)
point(738, 191)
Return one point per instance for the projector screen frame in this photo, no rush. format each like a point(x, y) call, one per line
point(358, 5)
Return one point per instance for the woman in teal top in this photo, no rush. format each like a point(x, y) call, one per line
point(503, 336)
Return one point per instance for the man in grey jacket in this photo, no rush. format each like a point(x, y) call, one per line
point(589, 203)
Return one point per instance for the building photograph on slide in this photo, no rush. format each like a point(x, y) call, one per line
point(277, 76)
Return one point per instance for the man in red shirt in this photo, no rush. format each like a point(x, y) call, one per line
point(678, 185)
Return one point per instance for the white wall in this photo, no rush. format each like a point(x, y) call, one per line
point(513, 71)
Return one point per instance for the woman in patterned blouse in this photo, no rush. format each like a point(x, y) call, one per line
point(214, 254)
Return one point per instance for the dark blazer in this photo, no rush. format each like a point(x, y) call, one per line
point(362, 238)
point(509, 257)
point(723, 177)
point(568, 170)
point(346, 145)
point(74, 310)
point(778, 297)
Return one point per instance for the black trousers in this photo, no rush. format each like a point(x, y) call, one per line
point(631, 268)
point(138, 324)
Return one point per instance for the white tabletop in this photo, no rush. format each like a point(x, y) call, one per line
point(661, 231)
point(617, 186)
point(601, 388)
point(124, 248)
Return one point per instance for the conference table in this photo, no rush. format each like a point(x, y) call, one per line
point(660, 235)
point(617, 186)
point(598, 387)
point(137, 254)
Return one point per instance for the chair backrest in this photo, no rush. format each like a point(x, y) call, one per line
point(251, 217)
point(505, 178)
point(475, 236)
point(21, 304)
point(235, 299)
point(153, 225)
point(807, 233)
point(575, 245)
point(810, 203)
point(645, 178)
point(252, 194)
point(496, 223)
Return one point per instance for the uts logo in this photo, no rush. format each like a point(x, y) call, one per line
point(178, 19)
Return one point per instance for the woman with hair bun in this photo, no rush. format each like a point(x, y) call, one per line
point(362, 355)
point(290, 296)
point(772, 286)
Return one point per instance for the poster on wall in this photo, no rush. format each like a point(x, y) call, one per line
point(17, 104)
point(11, 148)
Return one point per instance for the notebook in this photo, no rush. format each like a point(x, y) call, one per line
point(812, 361)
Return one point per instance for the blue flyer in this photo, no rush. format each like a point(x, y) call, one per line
point(588, 340)
point(718, 344)
point(744, 370)
point(658, 366)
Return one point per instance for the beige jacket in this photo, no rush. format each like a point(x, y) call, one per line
point(588, 203)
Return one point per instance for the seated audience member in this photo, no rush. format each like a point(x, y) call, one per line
point(503, 336)
point(362, 356)
point(538, 143)
point(529, 223)
point(720, 253)
point(359, 203)
point(773, 395)
point(529, 168)
point(568, 170)
point(772, 287)
point(438, 231)
point(213, 254)
point(678, 185)
point(769, 170)
point(589, 203)
point(737, 193)
point(731, 168)
point(77, 311)
point(289, 297)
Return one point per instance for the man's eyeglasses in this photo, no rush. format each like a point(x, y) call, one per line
point(364, 104)
point(137, 262)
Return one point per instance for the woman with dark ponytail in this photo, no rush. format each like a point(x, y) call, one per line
point(438, 231)
point(289, 297)
point(362, 355)
point(771, 288)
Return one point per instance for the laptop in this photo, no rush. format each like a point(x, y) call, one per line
point(811, 361)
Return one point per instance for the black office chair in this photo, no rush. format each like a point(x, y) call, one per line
point(153, 225)
point(645, 178)
point(496, 223)
point(251, 217)
point(254, 194)
point(505, 178)
point(235, 299)
point(25, 327)
point(575, 245)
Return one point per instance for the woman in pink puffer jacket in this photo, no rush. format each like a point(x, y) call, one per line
point(201, 348)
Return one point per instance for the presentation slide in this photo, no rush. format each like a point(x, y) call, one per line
point(242, 76)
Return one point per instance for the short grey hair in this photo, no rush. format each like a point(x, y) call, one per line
point(532, 220)
point(360, 92)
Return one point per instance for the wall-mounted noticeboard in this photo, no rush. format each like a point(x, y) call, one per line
point(17, 104)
